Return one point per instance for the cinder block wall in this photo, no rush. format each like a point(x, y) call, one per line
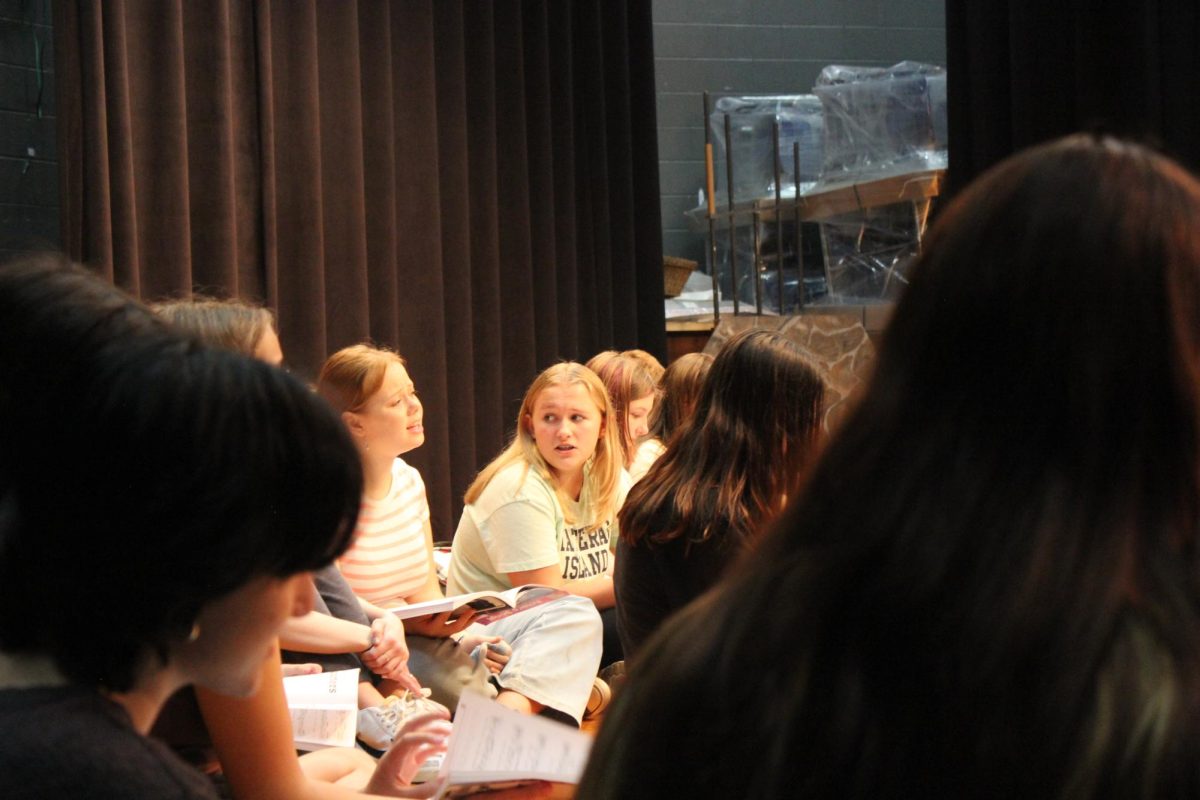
point(28, 168)
point(763, 47)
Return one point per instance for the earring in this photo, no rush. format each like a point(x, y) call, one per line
point(194, 634)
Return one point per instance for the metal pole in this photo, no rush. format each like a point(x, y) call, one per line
point(778, 216)
point(796, 206)
point(711, 199)
point(756, 221)
point(729, 195)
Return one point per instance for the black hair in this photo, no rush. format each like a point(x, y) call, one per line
point(990, 585)
point(144, 475)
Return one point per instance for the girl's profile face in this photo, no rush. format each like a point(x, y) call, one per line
point(566, 425)
point(637, 417)
point(393, 418)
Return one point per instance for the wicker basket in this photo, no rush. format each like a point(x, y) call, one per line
point(675, 274)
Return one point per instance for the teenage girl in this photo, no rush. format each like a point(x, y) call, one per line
point(678, 389)
point(631, 379)
point(169, 567)
point(253, 737)
point(543, 511)
point(988, 585)
point(725, 474)
point(539, 660)
point(344, 632)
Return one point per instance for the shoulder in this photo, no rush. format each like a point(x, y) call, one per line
point(518, 481)
point(61, 741)
point(405, 476)
point(644, 457)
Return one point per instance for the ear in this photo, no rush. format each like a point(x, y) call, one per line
point(527, 421)
point(353, 422)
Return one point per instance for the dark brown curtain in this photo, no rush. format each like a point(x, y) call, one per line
point(473, 183)
point(1025, 71)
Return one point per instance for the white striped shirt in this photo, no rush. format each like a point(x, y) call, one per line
point(388, 561)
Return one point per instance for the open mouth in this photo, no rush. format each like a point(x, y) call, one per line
point(564, 448)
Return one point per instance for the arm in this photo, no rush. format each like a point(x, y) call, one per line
point(598, 589)
point(381, 646)
point(253, 738)
point(529, 534)
point(320, 633)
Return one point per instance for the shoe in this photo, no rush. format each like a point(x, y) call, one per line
point(598, 700)
point(377, 725)
point(614, 676)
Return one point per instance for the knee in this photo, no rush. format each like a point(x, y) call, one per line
point(580, 610)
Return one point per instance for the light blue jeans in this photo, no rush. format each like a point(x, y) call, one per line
point(555, 652)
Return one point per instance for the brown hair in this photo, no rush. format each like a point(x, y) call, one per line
point(726, 471)
point(679, 389)
point(989, 584)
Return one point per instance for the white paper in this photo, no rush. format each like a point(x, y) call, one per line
point(324, 708)
point(491, 743)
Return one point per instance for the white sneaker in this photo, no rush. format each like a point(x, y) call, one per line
point(377, 725)
point(598, 700)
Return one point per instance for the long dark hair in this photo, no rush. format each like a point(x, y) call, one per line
point(990, 583)
point(727, 469)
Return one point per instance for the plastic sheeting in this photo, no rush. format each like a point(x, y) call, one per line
point(882, 121)
point(860, 124)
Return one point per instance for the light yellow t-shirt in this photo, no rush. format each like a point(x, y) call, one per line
point(517, 524)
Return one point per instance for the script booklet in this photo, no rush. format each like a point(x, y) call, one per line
point(324, 708)
point(488, 606)
point(493, 747)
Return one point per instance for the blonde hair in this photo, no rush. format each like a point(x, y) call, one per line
point(602, 474)
point(627, 376)
point(351, 375)
point(229, 324)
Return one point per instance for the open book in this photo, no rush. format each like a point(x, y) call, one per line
point(324, 708)
point(489, 606)
point(493, 747)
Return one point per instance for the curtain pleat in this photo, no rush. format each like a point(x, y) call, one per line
point(422, 330)
point(1023, 72)
point(470, 434)
point(472, 183)
point(342, 263)
point(539, 137)
point(566, 198)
